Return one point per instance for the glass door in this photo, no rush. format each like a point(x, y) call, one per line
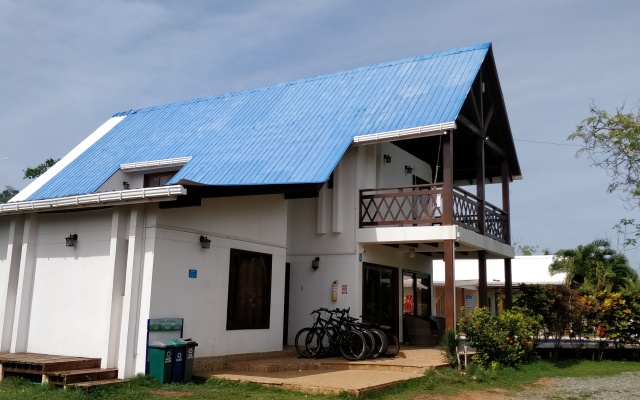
point(380, 295)
point(416, 294)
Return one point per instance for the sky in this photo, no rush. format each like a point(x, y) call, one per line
point(66, 66)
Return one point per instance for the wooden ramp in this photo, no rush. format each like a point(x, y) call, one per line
point(59, 370)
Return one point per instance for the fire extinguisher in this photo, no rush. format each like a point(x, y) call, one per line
point(334, 291)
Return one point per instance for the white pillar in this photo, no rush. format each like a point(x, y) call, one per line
point(9, 289)
point(118, 263)
point(24, 294)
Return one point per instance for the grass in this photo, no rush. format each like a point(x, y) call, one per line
point(453, 381)
point(446, 381)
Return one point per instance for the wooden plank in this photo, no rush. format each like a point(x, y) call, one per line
point(89, 385)
point(63, 365)
point(85, 375)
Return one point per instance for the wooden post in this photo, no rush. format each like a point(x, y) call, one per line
point(506, 178)
point(506, 204)
point(448, 219)
point(482, 278)
point(447, 179)
point(508, 292)
point(480, 192)
point(449, 285)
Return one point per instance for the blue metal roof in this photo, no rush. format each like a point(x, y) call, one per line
point(289, 133)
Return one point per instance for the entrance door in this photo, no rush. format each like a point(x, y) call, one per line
point(416, 294)
point(380, 295)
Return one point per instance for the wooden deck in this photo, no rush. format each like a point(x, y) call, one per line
point(58, 370)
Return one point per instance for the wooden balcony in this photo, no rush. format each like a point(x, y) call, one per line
point(421, 205)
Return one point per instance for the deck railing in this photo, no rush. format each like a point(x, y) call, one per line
point(421, 205)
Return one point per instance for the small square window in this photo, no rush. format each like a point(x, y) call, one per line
point(158, 179)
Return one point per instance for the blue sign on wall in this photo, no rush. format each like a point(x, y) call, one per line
point(193, 273)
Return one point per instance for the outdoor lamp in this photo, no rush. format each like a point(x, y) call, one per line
point(315, 263)
point(71, 240)
point(408, 169)
point(204, 242)
point(387, 159)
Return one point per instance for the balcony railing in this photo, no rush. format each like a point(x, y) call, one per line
point(421, 205)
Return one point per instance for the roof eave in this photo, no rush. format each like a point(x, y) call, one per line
point(402, 134)
point(146, 195)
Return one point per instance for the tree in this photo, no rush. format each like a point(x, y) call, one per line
point(594, 267)
point(7, 194)
point(612, 142)
point(32, 173)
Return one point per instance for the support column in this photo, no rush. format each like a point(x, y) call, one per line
point(448, 218)
point(480, 192)
point(132, 292)
point(506, 207)
point(447, 179)
point(508, 291)
point(10, 286)
point(24, 294)
point(482, 278)
point(118, 263)
point(449, 285)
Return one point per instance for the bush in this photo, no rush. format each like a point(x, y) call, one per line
point(507, 339)
point(448, 345)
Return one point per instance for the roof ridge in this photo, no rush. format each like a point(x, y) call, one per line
point(385, 64)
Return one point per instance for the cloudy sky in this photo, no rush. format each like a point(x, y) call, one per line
point(67, 66)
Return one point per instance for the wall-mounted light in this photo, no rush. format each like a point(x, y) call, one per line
point(408, 169)
point(126, 185)
point(71, 240)
point(315, 263)
point(205, 243)
point(387, 159)
point(412, 253)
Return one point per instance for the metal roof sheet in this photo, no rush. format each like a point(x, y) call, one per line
point(288, 133)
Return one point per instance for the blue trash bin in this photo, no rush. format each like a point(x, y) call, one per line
point(179, 358)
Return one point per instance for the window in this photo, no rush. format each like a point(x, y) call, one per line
point(158, 178)
point(249, 299)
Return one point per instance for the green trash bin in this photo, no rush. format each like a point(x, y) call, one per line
point(161, 360)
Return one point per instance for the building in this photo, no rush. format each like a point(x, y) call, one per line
point(529, 270)
point(240, 212)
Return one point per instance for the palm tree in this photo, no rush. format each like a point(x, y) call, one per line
point(594, 267)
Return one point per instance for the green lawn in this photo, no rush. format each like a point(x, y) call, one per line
point(446, 381)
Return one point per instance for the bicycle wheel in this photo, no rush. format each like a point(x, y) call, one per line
point(370, 342)
point(381, 343)
point(327, 342)
point(307, 342)
point(352, 345)
point(393, 346)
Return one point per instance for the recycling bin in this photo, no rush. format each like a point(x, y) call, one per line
point(179, 355)
point(161, 355)
point(190, 355)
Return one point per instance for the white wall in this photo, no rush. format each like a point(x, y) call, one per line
point(70, 298)
point(253, 223)
point(394, 174)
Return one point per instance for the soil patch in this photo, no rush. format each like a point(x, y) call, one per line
point(171, 393)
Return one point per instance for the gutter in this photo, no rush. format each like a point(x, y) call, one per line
point(146, 195)
point(422, 131)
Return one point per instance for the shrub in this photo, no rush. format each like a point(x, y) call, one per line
point(507, 339)
point(448, 345)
